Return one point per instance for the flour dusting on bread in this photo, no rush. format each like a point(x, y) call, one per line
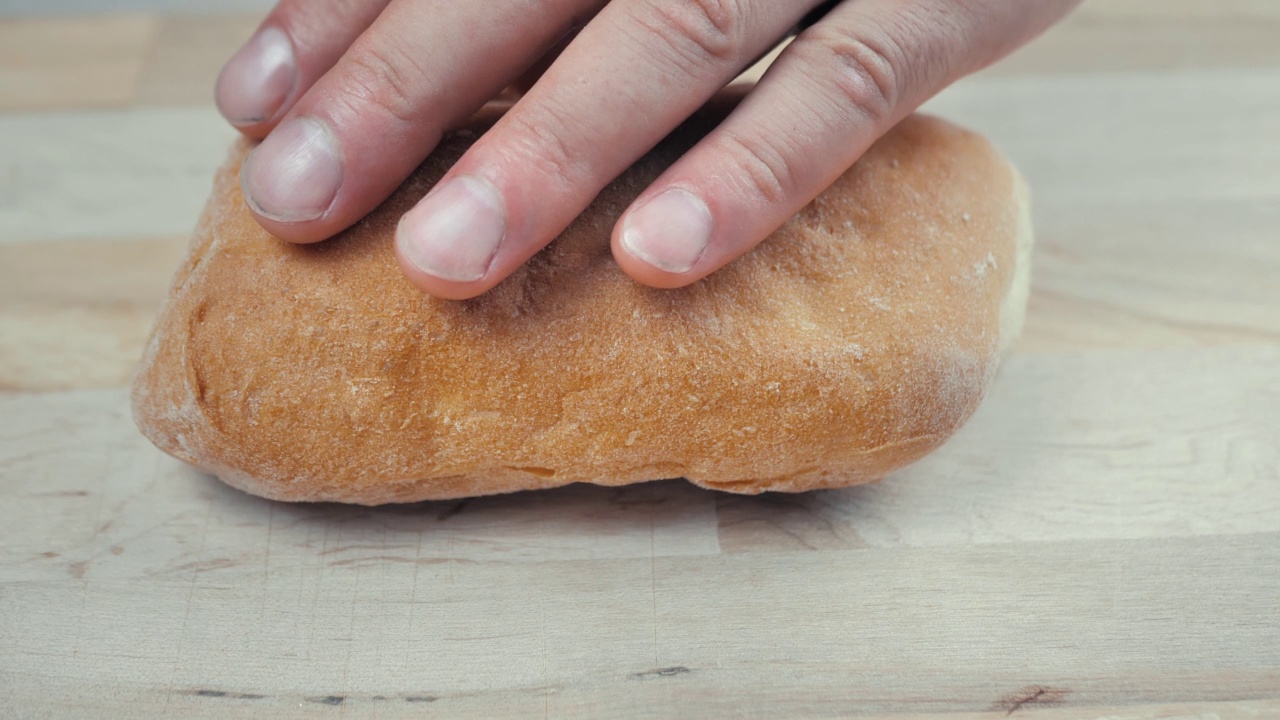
point(852, 342)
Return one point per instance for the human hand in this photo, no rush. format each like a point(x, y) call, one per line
point(351, 95)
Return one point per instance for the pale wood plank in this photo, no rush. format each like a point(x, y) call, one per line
point(1155, 228)
point(1101, 39)
point(76, 314)
point(62, 273)
point(1038, 703)
point(1099, 542)
point(188, 54)
point(1094, 533)
point(72, 62)
point(1154, 275)
point(1126, 8)
point(140, 701)
point(86, 346)
point(1145, 140)
point(106, 175)
point(794, 633)
point(1066, 447)
point(1180, 9)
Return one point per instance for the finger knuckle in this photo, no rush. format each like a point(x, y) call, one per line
point(538, 136)
point(700, 31)
point(943, 39)
point(762, 165)
point(387, 79)
point(868, 78)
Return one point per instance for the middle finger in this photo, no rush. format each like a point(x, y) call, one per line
point(632, 75)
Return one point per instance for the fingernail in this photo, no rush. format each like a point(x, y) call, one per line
point(455, 231)
point(256, 81)
point(670, 232)
point(295, 174)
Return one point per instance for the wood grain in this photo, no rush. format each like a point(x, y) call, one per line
point(1190, 12)
point(1105, 43)
point(1100, 541)
point(1108, 562)
point(76, 314)
point(187, 55)
point(1171, 240)
point(1192, 273)
point(1136, 137)
point(173, 59)
point(72, 63)
point(188, 52)
point(107, 175)
point(1180, 453)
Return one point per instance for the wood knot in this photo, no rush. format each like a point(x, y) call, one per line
point(1031, 696)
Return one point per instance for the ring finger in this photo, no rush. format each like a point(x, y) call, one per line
point(834, 90)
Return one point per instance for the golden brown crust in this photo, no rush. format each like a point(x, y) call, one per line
point(854, 341)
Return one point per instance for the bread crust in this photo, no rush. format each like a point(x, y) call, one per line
point(854, 341)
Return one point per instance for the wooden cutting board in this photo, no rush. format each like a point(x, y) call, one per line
point(1102, 540)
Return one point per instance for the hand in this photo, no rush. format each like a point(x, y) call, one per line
point(351, 95)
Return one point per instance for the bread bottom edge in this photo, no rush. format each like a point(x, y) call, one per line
point(869, 466)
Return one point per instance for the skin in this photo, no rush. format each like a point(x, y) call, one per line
point(351, 95)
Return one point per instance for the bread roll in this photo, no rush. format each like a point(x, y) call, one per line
point(855, 340)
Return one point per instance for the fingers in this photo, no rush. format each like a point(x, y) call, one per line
point(633, 74)
point(839, 86)
point(423, 66)
point(297, 43)
point(534, 73)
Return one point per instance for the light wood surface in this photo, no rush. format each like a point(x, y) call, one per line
point(1101, 541)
